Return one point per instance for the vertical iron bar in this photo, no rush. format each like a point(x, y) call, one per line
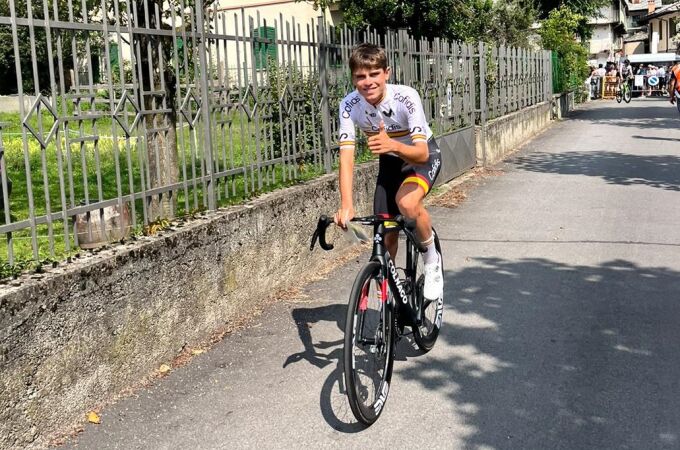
point(482, 94)
point(205, 105)
point(22, 112)
point(323, 80)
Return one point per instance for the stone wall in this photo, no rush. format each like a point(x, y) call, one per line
point(505, 134)
point(85, 331)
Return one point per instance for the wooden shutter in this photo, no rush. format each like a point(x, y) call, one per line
point(264, 46)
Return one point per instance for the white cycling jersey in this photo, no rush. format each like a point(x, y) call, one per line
point(401, 110)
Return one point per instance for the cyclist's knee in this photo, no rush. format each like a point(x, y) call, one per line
point(410, 206)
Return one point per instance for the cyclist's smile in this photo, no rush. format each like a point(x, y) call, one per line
point(371, 83)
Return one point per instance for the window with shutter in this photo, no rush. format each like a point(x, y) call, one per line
point(264, 46)
point(113, 57)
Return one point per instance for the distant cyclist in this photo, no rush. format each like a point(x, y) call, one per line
point(392, 117)
point(673, 85)
point(626, 72)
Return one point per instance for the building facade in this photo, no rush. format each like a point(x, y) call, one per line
point(662, 24)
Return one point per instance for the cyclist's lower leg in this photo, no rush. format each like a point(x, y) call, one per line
point(410, 201)
point(392, 243)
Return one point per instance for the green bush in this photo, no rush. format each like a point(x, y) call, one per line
point(558, 33)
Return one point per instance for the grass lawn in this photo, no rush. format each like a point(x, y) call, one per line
point(75, 169)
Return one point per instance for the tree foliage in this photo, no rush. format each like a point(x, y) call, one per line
point(28, 52)
point(504, 21)
point(558, 33)
point(587, 9)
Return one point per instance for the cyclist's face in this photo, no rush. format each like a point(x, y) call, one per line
point(371, 83)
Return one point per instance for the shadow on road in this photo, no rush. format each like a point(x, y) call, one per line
point(655, 138)
point(540, 354)
point(334, 407)
point(644, 114)
point(333, 403)
point(662, 171)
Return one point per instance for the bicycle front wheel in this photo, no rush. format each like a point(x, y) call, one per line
point(369, 341)
point(426, 333)
point(627, 95)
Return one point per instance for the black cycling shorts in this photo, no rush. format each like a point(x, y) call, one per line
point(393, 172)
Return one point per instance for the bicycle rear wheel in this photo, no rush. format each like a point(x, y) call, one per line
point(627, 95)
point(369, 341)
point(427, 332)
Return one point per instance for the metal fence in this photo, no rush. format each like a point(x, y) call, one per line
point(139, 113)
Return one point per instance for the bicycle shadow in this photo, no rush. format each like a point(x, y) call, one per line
point(324, 352)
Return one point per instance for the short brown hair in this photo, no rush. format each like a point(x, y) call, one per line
point(367, 56)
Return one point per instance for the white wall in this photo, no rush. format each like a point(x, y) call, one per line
point(662, 34)
point(293, 21)
point(233, 20)
point(602, 39)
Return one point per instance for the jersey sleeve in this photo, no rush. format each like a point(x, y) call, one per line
point(417, 123)
point(346, 130)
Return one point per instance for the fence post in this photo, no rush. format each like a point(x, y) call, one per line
point(547, 74)
point(205, 104)
point(482, 98)
point(404, 60)
point(323, 86)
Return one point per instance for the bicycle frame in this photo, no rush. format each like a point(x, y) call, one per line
point(404, 300)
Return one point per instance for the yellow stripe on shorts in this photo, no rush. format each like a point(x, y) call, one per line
point(419, 181)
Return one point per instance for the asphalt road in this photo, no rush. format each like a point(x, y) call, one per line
point(561, 326)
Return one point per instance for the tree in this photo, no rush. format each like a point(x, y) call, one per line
point(504, 21)
point(558, 33)
point(587, 9)
point(7, 54)
point(513, 20)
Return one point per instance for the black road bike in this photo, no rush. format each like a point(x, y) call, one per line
point(384, 300)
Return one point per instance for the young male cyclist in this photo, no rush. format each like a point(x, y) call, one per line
point(392, 117)
point(673, 84)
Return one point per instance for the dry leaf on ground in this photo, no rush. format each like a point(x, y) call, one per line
point(93, 417)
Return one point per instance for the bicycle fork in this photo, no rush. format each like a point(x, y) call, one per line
point(375, 342)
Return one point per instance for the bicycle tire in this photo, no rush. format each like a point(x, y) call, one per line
point(367, 398)
point(619, 97)
point(627, 95)
point(427, 333)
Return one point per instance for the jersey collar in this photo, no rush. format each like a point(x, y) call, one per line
point(385, 104)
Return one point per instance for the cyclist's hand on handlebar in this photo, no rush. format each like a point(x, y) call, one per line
point(343, 216)
point(381, 142)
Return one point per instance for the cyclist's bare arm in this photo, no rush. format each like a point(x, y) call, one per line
point(380, 143)
point(346, 179)
point(671, 88)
